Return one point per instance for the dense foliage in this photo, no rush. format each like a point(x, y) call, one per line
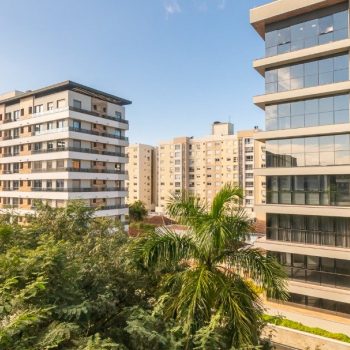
point(137, 211)
point(69, 280)
point(65, 283)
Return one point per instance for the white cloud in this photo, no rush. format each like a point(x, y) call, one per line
point(172, 7)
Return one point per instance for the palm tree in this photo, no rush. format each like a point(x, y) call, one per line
point(214, 279)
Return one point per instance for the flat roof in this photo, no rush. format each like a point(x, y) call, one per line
point(68, 85)
point(279, 10)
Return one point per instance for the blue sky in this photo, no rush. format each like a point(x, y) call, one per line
point(183, 63)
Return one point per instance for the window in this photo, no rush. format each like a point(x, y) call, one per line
point(38, 108)
point(77, 144)
point(16, 115)
point(59, 124)
point(59, 164)
point(50, 145)
point(308, 151)
point(77, 104)
point(37, 184)
point(307, 33)
point(76, 124)
point(49, 184)
point(37, 146)
point(49, 126)
point(50, 106)
point(76, 164)
point(318, 72)
point(61, 103)
point(37, 165)
point(61, 144)
point(59, 184)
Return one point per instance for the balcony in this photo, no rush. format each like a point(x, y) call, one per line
point(82, 170)
point(70, 108)
point(104, 134)
point(95, 114)
point(76, 189)
point(75, 149)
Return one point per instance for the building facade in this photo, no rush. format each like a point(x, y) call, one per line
point(142, 172)
point(201, 166)
point(63, 142)
point(307, 138)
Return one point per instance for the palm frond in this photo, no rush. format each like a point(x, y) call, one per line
point(263, 270)
point(228, 195)
point(163, 247)
point(186, 209)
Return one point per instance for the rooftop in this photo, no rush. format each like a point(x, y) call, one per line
point(11, 98)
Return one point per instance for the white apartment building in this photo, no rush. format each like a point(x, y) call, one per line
point(142, 172)
point(63, 142)
point(202, 166)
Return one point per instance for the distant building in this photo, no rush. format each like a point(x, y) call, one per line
point(142, 170)
point(202, 166)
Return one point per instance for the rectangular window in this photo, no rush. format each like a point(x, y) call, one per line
point(77, 104)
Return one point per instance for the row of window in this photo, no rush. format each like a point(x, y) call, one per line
point(50, 165)
point(331, 190)
point(314, 269)
point(312, 112)
point(307, 33)
point(319, 303)
point(15, 115)
point(318, 72)
point(308, 151)
point(315, 230)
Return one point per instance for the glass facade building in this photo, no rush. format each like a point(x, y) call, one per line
point(305, 208)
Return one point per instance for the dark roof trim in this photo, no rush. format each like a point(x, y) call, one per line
point(68, 85)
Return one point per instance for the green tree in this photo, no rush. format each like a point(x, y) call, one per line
point(213, 278)
point(137, 211)
point(65, 283)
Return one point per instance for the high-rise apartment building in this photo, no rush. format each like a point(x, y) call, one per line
point(63, 142)
point(307, 138)
point(142, 171)
point(202, 166)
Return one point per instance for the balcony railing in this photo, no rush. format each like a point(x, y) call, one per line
point(80, 110)
point(104, 134)
point(80, 170)
point(95, 114)
point(77, 189)
point(70, 128)
point(77, 149)
point(109, 207)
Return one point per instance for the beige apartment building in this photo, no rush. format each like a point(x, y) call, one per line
point(63, 142)
point(202, 166)
point(142, 172)
point(307, 138)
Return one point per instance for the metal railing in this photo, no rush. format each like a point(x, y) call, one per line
point(77, 149)
point(79, 170)
point(77, 189)
point(71, 108)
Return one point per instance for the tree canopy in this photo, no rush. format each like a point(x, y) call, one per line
point(70, 280)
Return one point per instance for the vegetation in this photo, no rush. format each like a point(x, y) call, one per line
point(211, 281)
point(65, 284)
point(69, 280)
point(279, 321)
point(137, 211)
